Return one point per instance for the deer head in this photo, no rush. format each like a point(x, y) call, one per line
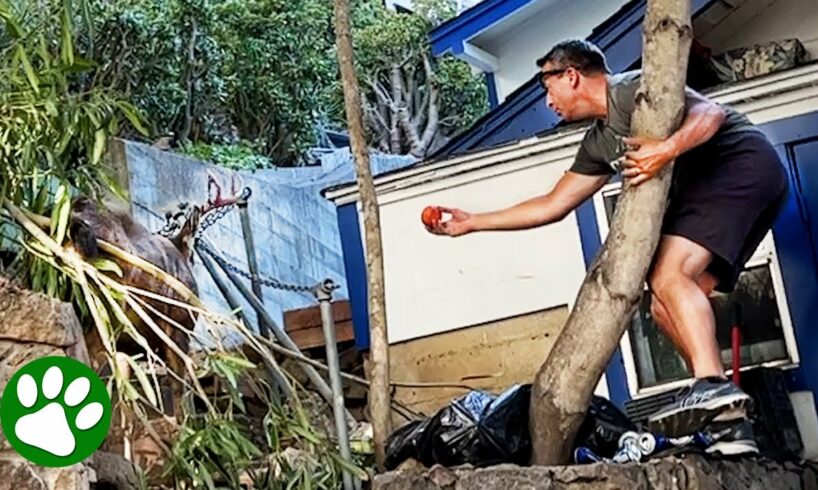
point(181, 225)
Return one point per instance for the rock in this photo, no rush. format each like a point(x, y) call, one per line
point(113, 471)
point(442, 477)
point(689, 472)
point(12, 357)
point(409, 466)
point(19, 474)
point(26, 316)
point(32, 326)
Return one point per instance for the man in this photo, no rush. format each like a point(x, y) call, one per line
point(728, 186)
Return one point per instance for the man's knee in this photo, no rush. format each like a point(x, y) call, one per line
point(707, 282)
point(658, 311)
point(661, 280)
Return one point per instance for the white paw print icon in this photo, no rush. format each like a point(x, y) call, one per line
point(48, 428)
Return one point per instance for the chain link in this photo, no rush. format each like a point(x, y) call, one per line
point(272, 283)
point(212, 217)
point(209, 220)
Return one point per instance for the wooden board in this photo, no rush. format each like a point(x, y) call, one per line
point(492, 356)
point(305, 328)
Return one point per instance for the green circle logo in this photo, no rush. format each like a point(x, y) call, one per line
point(55, 411)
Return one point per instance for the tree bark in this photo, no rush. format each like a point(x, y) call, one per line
point(187, 120)
point(397, 102)
point(379, 394)
point(432, 121)
point(614, 283)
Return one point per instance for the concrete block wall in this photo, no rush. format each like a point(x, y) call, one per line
point(295, 229)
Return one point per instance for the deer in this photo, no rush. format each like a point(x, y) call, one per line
point(171, 249)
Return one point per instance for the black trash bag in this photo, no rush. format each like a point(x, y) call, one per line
point(454, 433)
point(405, 443)
point(604, 424)
point(504, 433)
point(479, 428)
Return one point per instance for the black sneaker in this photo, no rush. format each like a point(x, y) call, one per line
point(729, 438)
point(704, 401)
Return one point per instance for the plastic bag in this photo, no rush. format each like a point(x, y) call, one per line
point(479, 429)
point(504, 431)
point(405, 443)
point(604, 424)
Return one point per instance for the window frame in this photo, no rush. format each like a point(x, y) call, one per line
point(766, 254)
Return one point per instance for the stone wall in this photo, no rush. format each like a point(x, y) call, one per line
point(689, 472)
point(33, 326)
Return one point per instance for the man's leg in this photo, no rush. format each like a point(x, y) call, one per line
point(681, 286)
point(680, 265)
point(706, 282)
point(662, 319)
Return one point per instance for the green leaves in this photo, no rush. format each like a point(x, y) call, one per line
point(214, 445)
point(260, 76)
point(67, 38)
point(142, 378)
point(22, 57)
point(279, 72)
point(60, 214)
point(239, 156)
point(53, 129)
point(133, 116)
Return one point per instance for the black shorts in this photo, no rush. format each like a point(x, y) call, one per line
point(725, 196)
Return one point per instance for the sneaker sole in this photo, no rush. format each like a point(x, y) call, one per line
point(733, 448)
point(684, 421)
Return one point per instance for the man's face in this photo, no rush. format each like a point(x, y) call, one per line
point(561, 86)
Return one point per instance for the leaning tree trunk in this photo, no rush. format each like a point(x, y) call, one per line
point(614, 284)
point(379, 395)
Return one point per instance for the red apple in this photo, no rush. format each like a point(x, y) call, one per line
point(431, 216)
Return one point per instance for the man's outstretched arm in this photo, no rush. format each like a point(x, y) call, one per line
point(569, 192)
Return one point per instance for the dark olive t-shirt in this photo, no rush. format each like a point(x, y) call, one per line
point(603, 146)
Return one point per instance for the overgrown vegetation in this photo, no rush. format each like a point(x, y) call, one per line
point(413, 102)
point(57, 111)
point(52, 133)
point(262, 74)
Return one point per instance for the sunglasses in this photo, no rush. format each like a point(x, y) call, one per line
point(550, 73)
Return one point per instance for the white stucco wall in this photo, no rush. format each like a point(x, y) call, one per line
point(518, 48)
point(437, 284)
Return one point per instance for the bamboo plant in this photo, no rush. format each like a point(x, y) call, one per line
point(53, 138)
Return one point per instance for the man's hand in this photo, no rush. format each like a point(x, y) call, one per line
point(646, 158)
point(460, 223)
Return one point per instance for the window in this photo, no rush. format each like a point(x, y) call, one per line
point(651, 360)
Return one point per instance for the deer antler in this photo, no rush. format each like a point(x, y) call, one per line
point(214, 194)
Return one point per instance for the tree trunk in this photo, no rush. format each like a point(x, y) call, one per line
point(614, 283)
point(379, 394)
point(396, 104)
point(187, 119)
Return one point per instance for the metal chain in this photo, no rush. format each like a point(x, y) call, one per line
point(209, 220)
point(269, 282)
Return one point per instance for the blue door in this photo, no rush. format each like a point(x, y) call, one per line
point(796, 238)
point(805, 160)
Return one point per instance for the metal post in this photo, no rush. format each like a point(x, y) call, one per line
point(323, 293)
point(282, 337)
point(250, 250)
point(277, 376)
